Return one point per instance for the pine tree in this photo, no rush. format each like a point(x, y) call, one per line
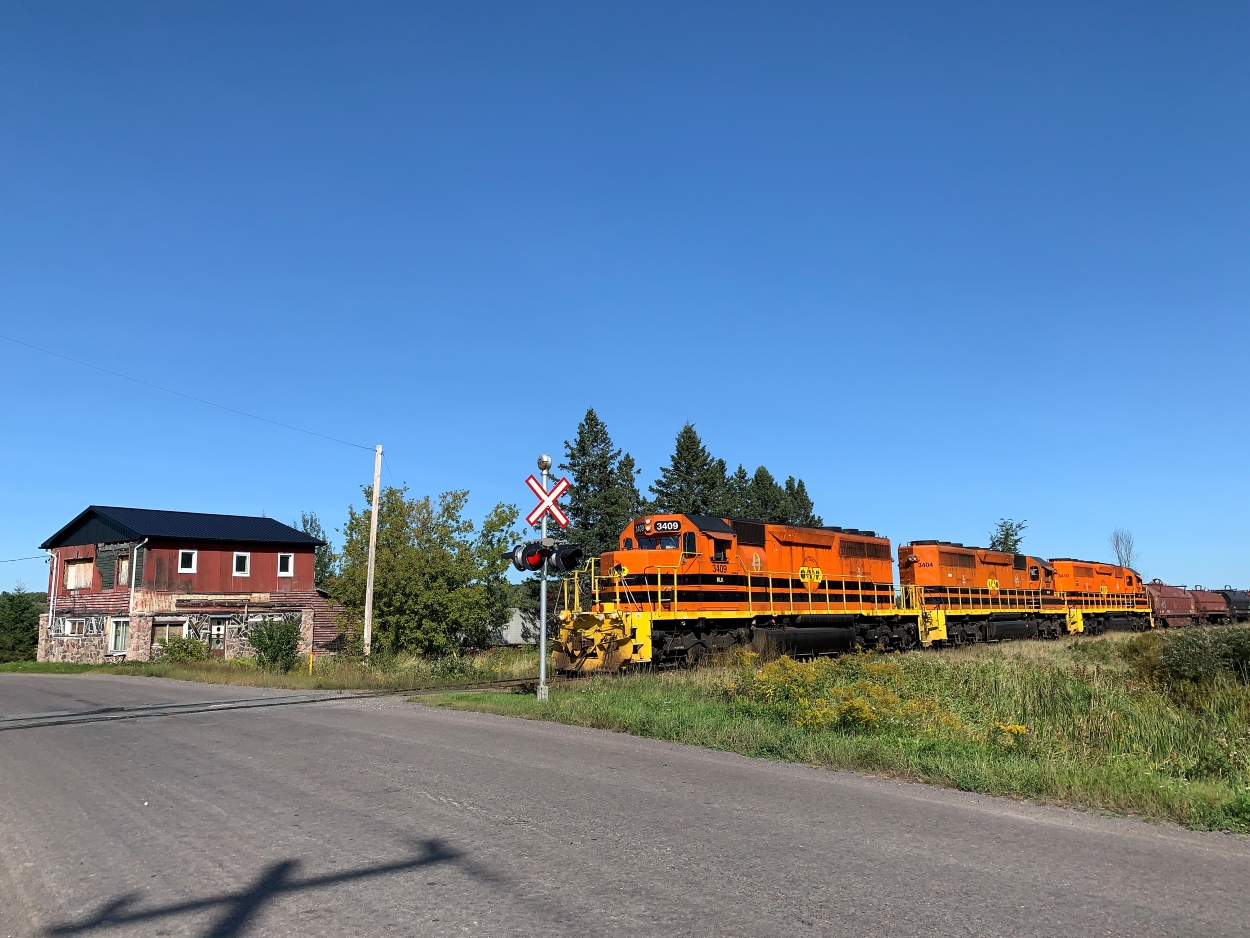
point(604, 494)
point(693, 482)
point(736, 502)
point(800, 507)
point(19, 624)
point(768, 500)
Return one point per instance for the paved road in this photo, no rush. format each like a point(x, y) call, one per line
point(355, 818)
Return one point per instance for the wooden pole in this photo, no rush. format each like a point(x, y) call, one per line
point(373, 546)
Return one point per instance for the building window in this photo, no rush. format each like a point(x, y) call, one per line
point(286, 565)
point(187, 560)
point(75, 626)
point(119, 637)
point(78, 575)
point(123, 570)
point(242, 564)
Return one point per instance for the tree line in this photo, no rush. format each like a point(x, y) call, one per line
point(604, 495)
point(441, 580)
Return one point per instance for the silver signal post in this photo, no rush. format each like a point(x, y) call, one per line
point(544, 464)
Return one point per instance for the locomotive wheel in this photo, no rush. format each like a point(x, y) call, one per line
point(695, 654)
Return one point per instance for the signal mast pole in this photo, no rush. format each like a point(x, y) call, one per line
point(373, 547)
point(544, 463)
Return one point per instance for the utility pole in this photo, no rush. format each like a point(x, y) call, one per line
point(373, 547)
point(544, 463)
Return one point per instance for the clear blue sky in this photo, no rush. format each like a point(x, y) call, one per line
point(946, 263)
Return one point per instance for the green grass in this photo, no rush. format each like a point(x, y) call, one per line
point(329, 673)
point(1079, 722)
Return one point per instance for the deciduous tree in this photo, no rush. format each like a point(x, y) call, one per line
point(439, 583)
point(1007, 535)
point(324, 561)
point(1126, 555)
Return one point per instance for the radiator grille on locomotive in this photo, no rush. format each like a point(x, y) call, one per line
point(750, 533)
point(863, 549)
point(948, 558)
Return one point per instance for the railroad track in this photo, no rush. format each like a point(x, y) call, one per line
point(113, 714)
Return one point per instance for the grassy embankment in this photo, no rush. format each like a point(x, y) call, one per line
point(1155, 725)
point(329, 673)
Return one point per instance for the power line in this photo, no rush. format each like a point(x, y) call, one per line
point(16, 559)
point(198, 400)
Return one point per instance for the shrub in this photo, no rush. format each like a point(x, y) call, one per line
point(857, 692)
point(1195, 654)
point(277, 644)
point(453, 666)
point(1192, 655)
point(177, 648)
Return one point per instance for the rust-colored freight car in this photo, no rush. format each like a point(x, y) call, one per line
point(1173, 605)
point(1210, 606)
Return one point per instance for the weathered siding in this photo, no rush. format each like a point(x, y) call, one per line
point(215, 569)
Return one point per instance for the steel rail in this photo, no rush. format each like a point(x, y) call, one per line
point(111, 714)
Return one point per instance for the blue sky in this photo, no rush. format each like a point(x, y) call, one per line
point(946, 263)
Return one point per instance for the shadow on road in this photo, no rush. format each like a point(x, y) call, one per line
point(239, 909)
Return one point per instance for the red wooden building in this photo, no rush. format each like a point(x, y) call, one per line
point(122, 580)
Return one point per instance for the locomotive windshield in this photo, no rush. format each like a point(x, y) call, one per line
point(663, 542)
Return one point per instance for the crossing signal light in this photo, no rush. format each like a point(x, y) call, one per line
point(529, 556)
point(566, 557)
point(560, 557)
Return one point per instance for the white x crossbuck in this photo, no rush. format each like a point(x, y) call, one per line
point(547, 502)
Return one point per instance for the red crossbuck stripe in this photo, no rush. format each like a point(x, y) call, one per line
point(547, 502)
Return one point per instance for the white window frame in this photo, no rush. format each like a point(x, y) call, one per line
point(195, 560)
point(112, 635)
point(76, 628)
point(290, 568)
point(247, 563)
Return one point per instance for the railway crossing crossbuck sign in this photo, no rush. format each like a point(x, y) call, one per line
point(547, 502)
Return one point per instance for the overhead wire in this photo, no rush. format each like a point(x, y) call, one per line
point(190, 397)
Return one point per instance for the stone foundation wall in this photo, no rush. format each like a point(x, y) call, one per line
point(92, 649)
point(84, 649)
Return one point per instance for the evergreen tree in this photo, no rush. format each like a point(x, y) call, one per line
point(768, 501)
point(801, 509)
point(19, 624)
point(693, 482)
point(604, 494)
point(736, 502)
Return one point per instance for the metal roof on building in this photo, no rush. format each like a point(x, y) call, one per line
point(103, 524)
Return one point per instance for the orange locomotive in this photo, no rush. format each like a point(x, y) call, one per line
point(679, 586)
point(985, 594)
point(1109, 595)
